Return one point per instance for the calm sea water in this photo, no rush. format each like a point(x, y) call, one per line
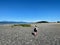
point(14, 23)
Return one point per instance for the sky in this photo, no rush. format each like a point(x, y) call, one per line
point(30, 10)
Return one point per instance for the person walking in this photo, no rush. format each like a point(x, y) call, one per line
point(35, 30)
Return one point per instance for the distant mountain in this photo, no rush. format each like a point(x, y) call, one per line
point(42, 22)
point(11, 22)
point(58, 21)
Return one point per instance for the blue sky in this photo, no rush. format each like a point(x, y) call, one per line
point(29, 10)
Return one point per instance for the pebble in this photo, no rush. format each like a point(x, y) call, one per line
point(27, 42)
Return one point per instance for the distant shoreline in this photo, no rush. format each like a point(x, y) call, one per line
point(14, 23)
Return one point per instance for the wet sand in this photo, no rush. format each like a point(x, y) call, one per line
point(48, 34)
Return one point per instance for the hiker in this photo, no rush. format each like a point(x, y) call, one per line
point(35, 30)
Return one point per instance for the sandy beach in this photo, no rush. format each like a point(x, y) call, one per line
point(48, 34)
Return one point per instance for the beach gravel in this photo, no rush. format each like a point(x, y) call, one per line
point(48, 34)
